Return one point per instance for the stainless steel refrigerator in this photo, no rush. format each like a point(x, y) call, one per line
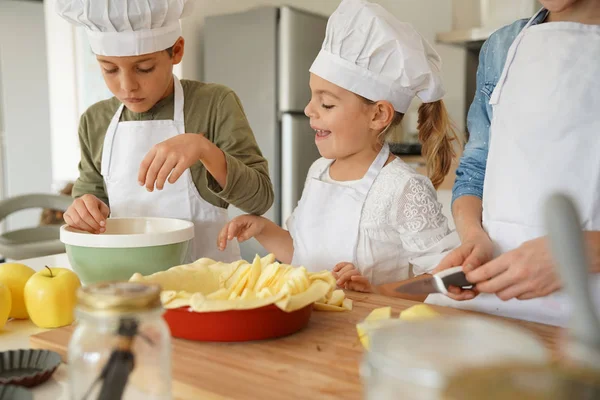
point(264, 55)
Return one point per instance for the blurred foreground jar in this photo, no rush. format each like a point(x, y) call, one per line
point(121, 347)
point(416, 359)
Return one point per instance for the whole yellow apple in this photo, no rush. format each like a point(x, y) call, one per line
point(5, 304)
point(50, 296)
point(15, 276)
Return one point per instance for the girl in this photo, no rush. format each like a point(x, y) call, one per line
point(363, 211)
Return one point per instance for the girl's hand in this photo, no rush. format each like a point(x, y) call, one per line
point(87, 213)
point(349, 277)
point(241, 228)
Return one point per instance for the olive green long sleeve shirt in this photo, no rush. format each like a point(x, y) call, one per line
point(211, 109)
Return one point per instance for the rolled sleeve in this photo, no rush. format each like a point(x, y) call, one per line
point(470, 173)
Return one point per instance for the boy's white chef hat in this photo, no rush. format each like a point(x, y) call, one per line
point(370, 52)
point(127, 27)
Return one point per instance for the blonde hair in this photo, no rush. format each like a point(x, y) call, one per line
point(436, 135)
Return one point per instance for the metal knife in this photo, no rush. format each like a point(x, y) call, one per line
point(437, 283)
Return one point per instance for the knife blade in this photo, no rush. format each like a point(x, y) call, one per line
point(437, 283)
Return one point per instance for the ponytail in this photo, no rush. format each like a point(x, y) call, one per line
point(436, 135)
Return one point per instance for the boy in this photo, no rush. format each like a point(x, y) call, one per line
point(157, 129)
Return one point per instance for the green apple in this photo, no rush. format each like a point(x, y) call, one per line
point(51, 296)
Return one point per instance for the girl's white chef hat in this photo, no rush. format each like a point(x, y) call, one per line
point(370, 52)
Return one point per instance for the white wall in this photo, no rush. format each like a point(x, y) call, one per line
point(24, 108)
point(64, 108)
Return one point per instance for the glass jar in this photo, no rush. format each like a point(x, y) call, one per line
point(121, 346)
point(415, 359)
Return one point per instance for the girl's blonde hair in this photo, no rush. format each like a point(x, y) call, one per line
point(436, 135)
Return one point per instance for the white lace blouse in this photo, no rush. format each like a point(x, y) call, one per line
point(401, 221)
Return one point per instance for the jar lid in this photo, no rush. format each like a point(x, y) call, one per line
point(119, 297)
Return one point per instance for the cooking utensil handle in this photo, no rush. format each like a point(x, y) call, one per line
point(567, 246)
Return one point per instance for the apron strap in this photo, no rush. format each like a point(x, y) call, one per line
point(108, 142)
point(512, 51)
point(178, 104)
point(364, 185)
point(367, 181)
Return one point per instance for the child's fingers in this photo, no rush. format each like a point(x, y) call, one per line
point(233, 230)
point(339, 266)
point(341, 276)
point(86, 220)
point(105, 211)
point(79, 223)
point(246, 229)
point(346, 268)
point(68, 219)
point(241, 228)
point(347, 276)
point(152, 173)
point(92, 206)
point(179, 169)
point(145, 165)
point(359, 284)
point(222, 239)
point(71, 222)
point(164, 172)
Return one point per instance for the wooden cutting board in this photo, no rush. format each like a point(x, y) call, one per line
point(319, 362)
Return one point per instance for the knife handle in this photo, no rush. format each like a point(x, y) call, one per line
point(453, 277)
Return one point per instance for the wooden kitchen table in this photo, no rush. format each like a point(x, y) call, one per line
point(319, 362)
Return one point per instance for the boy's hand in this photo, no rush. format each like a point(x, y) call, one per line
point(170, 159)
point(349, 277)
point(241, 228)
point(87, 213)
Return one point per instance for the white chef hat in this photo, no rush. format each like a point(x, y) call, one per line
point(370, 52)
point(127, 27)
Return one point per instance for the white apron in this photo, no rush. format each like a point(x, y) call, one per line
point(125, 146)
point(325, 231)
point(544, 138)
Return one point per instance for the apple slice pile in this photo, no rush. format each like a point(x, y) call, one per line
point(210, 286)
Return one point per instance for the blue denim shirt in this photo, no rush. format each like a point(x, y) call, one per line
point(471, 169)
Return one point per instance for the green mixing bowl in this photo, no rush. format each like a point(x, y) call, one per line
point(129, 245)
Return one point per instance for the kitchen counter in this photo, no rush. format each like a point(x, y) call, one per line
point(320, 362)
